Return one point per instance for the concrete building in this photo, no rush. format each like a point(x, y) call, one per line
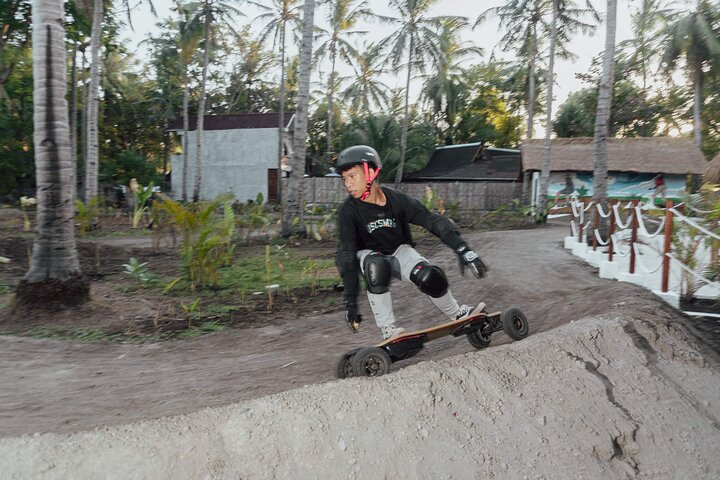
point(239, 156)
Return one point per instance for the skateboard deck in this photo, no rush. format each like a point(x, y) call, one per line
point(449, 328)
point(478, 327)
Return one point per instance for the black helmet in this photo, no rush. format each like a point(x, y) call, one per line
point(357, 155)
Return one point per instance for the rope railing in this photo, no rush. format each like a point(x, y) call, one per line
point(692, 272)
point(642, 265)
point(642, 224)
point(685, 219)
point(618, 221)
point(633, 234)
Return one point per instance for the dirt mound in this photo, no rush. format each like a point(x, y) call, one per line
point(605, 397)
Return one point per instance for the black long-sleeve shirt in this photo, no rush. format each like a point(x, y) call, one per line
point(367, 226)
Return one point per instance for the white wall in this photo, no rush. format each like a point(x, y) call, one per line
point(234, 162)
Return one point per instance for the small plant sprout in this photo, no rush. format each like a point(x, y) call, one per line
point(190, 309)
point(139, 271)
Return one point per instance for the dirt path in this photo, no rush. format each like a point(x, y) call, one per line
point(52, 386)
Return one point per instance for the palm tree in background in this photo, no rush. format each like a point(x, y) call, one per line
point(526, 27)
point(92, 146)
point(364, 91)
point(343, 16)
point(443, 88)
point(694, 37)
point(413, 41)
point(210, 14)
point(602, 114)
point(54, 277)
point(283, 12)
point(294, 201)
point(188, 40)
point(643, 48)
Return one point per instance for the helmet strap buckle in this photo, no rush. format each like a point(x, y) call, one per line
point(369, 179)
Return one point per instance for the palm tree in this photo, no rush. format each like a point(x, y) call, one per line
point(188, 39)
point(602, 116)
point(444, 88)
point(342, 17)
point(545, 168)
point(695, 37)
point(525, 25)
point(54, 277)
point(364, 91)
point(283, 12)
point(643, 47)
point(210, 14)
point(92, 147)
point(414, 39)
point(294, 203)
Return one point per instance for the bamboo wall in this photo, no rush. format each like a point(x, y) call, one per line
point(471, 195)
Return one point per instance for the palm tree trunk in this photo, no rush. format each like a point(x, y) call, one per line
point(201, 111)
point(331, 91)
point(74, 122)
point(92, 153)
point(602, 118)
point(531, 87)
point(186, 142)
point(54, 278)
point(545, 169)
point(697, 105)
point(281, 116)
point(295, 185)
point(406, 116)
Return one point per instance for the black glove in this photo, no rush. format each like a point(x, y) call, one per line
point(352, 317)
point(468, 258)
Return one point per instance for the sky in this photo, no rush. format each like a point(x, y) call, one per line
point(486, 35)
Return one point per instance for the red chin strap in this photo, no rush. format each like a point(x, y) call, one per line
point(369, 179)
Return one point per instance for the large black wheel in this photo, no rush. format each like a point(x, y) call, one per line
point(479, 338)
point(344, 368)
point(515, 324)
point(371, 362)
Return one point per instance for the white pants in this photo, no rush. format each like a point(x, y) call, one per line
point(403, 260)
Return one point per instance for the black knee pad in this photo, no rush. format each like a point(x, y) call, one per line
point(378, 272)
point(429, 279)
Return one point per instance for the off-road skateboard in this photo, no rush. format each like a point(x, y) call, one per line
point(377, 360)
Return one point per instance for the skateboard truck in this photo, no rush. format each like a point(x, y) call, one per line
point(377, 360)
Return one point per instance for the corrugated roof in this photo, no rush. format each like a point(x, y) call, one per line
point(672, 155)
point(236, 122)
point(469, 162)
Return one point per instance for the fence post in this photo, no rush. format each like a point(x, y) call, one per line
point(666, 246)
point(573, 218)
point(611, 231)
point(581, 221)
point(633, 237)
point(596, 225)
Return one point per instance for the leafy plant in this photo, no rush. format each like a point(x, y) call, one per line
point(140, 206)
point(190, 310)
point(86, 214)
point(206, 243)
point(686, 241)
point(140, 272)
point(255, 217)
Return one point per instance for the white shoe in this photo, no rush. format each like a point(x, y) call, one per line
point(390, 331)
point(467, 311)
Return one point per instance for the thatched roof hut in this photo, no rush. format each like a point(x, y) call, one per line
point(712, 172)
point(669, 155)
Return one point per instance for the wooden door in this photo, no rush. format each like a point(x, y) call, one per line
point(272, 182)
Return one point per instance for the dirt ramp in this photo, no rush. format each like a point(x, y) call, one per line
point(600, 398)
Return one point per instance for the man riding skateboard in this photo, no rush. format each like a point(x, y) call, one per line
point(375, 241)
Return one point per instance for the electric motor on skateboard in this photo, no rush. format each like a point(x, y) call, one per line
point(377, 360)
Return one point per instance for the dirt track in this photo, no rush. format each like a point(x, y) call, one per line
point(53, 386)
